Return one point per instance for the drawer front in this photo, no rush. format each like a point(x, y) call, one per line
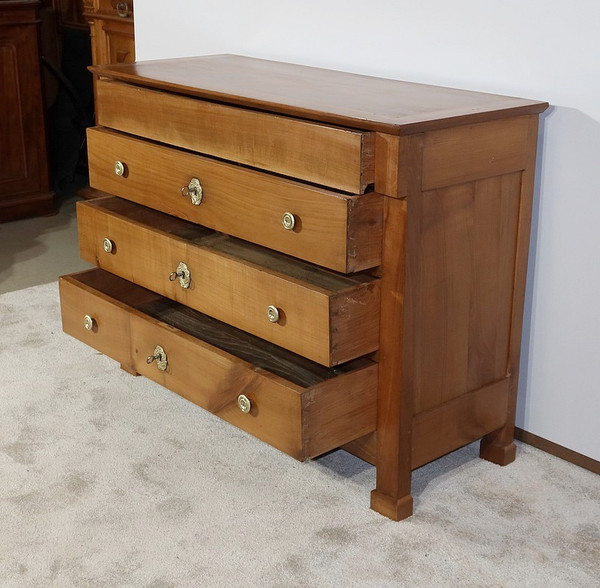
point(95, 320)
point(322, 316)
point(303, 421)
point(242, 202)
point(325, 155)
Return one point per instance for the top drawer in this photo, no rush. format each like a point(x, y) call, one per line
point(330, 156)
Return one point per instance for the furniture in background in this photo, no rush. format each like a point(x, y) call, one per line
point(322, 259)
point(112, 36)
point(111, 30)
point(24, 178)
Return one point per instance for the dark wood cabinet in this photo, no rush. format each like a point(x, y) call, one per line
point(24, 179)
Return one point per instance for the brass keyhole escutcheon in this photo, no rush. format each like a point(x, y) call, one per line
point(194, 191)
point(183, 273)
point(288, 220)
point(160, 357)
point(244, 403)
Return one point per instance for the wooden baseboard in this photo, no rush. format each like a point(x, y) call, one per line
point(558, 450)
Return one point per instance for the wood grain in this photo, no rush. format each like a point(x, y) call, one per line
point(465, 287)
point(260, 353)
point(325, 155)
point(473, 152)
point(457, 422)
point(340, 410)
point(394, 403)
point(235, 282)
point(79, 297)
point(377, 104)
point(24, 179)
point(499, 446)
point(283, 414)
point(242, 202)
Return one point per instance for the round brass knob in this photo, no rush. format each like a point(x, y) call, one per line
point(244, 403)
point(108, 245)
point(88, 322)
point(273, 313)
point(119, 168)
point(122, 9)
point(288, 220)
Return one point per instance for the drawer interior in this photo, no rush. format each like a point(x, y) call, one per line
point(261, 354)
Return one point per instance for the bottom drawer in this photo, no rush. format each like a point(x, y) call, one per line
point(292, 403)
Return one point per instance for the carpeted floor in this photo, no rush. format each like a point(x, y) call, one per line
point(110, 480)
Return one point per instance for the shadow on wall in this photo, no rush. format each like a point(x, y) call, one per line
point(561, 326)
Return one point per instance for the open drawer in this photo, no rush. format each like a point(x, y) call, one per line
point(296, 405)
point(327, 317)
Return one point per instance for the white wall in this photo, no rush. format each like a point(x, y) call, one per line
point(543, 49)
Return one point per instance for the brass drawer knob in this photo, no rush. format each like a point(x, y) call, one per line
point(288, 220)
point(119, 168)
point(183, 273)
point(273, 313)
point(194, 191)
point(244, 403)
point(160, 357)
point(108, 245)
point(122, 9)
point(88, 322)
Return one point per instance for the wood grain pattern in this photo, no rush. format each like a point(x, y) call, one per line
point(112, 35)
point(283, 414)
point(80, 296)
point(467, 256)
point(499, 446)
point(455, 172)
point(325, 155)
point(364, 447)
point(391, 160)
point(459, 421)
point(259, 353)
point(235, 282)
point(242, 202)
point(24, 179)
point(337, 407)
point(377, 104)
point(457, 156)
point(394, 403)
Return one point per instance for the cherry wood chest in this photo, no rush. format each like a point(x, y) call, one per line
point(322, 259)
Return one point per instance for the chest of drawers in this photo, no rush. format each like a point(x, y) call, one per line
point(322, 259)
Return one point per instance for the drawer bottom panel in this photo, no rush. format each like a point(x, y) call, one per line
point(294, 404)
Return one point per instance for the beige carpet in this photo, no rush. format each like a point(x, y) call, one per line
point(110, 480)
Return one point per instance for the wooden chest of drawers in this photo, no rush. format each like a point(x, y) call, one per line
point(111, 30)
point(322, 259)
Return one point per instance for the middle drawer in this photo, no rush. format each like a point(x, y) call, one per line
point(324, 316)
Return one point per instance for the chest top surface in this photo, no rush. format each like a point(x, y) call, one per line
point(324, 95)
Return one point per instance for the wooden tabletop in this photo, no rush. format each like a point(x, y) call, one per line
point(335, 97)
